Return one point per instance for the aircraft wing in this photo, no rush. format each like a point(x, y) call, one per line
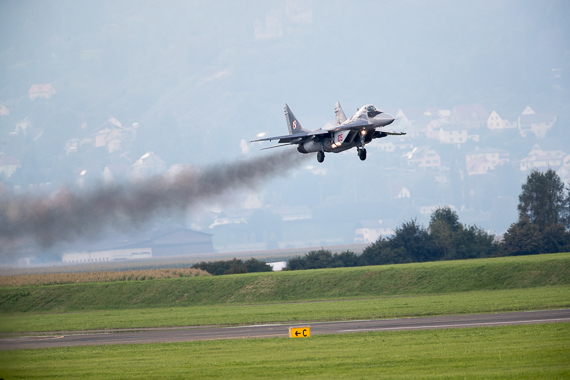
point(353, 124)
point(380, 134)
point(296, 137)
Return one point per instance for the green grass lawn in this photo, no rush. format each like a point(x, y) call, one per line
point(443, 277)
point(547, 297)
point(512, 352)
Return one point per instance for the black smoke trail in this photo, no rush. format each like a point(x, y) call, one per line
point(68, 216)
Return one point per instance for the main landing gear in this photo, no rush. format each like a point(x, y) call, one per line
point(362, 154)
point(320, 156)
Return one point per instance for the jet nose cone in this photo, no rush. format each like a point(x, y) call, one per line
point(387, 118)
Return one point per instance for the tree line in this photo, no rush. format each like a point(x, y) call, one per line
point(543, 227)
point(233, 266)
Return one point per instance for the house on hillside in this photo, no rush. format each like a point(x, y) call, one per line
point(293, 213)
point(483, 160)
point(113, 136)
point(470, 116)
point(538, 158)
point(495, 122)
point(369, 231)
point(115, 171)
point(412, 120)
point(433, 127)
point(404, 193)
point(149, 164)
point(270, 27)
point(537, 123)
point(436, 113)
point(400, 143)
point(412, 114)
point(453, 134)
point(424, 158)
point(232, 217)
point(71, 146)
point(45, 90)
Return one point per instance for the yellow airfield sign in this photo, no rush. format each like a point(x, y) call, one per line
point(299, 332)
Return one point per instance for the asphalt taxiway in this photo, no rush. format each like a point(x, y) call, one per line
point(184, 334)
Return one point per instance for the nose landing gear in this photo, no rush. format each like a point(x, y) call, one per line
point(361, 149)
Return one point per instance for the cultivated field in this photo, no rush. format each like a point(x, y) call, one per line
point(75, 278)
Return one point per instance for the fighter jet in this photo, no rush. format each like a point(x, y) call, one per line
point(356, 132)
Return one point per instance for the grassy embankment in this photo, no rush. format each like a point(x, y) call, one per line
point(513, 352)
point(472, 286)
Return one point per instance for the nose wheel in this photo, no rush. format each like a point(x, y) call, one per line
point(320, 156)
point(362, 154)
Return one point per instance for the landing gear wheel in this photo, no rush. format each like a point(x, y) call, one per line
point(320, 156)
point(362, 154)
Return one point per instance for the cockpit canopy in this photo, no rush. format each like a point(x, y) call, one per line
point(372, 111)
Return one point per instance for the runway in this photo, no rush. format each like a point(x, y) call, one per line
point(185, 334)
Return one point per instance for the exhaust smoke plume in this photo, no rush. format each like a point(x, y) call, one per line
point(67, 216)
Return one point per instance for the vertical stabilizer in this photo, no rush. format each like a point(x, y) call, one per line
point(292, 123)
point(339, 115)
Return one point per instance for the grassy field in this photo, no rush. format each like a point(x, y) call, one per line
point(325, 284)
point(481, 301)
point(513, 352)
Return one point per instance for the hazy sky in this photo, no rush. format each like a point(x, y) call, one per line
point(200, 77)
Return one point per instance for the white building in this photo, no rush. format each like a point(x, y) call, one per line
point(538, 158)
point(495, 122)
point(483, 160)
point(41, 91)
point(370, 231)
point(537, 123)
point(424, 158)
point(149, 164)
point(107, 255)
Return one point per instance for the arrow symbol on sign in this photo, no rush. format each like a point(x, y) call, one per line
point(296, 333)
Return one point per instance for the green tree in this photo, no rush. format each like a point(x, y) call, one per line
point(233, 266)
point(444, 225)
point(542, 199)
point(323, 258)
point(410, 243)
point(543, 217)
point(566, 211)
point(522, 238)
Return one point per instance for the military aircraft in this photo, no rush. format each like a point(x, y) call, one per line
point(357, 131)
